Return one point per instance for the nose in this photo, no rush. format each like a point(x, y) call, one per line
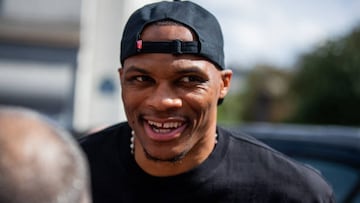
point(164, 98)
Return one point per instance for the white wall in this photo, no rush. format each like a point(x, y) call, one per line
point(102, 22)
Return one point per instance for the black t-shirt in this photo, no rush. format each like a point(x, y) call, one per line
point(240, 169)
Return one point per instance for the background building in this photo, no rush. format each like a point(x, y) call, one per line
point(61, 58)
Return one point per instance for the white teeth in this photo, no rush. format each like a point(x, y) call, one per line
point(165, 125)
point(159, 125)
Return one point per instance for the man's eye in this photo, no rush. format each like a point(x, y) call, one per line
point(191, 79)
point(142, 78)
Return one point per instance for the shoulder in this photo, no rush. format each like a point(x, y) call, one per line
point(257, 150)
point(105, 137)
point(239, 137)
point(275, 168)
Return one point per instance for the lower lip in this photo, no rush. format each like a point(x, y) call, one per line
point(156, 136)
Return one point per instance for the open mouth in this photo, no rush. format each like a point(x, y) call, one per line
point(165, 127)
point(164, 131)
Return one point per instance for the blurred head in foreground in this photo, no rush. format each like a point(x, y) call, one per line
point(39, 162)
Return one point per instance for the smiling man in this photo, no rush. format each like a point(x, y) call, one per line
point(171, 101)
point(173, 78)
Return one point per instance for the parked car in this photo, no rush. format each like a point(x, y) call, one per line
point(332, 150)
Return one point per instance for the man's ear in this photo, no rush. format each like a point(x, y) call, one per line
point(226, 76)
point(120, 71)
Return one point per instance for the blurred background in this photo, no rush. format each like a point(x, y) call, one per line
point(296, 65)
point(293, 61)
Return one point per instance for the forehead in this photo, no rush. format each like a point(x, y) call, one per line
point(167, 32)
point(166, 63)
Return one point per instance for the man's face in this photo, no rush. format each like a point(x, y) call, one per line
point(171, 100)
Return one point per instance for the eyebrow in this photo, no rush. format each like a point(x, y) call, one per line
point(189, 70)
point(178, 71)
point(136, 69)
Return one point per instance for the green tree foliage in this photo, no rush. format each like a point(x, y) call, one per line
point(230, 111)
point(327, 83)
point(265, 99)
point(262, 97)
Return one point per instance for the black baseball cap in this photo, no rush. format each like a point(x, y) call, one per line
point(210, 44)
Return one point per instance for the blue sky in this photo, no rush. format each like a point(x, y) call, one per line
point(277, 31)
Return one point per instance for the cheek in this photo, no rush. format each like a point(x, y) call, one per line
point(130, 102)
point(203, 103)
point(131, 95)
point(203, 110)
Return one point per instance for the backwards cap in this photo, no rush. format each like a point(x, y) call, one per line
point(210, 40)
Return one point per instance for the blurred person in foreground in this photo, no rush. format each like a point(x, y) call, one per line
point(39, 162)
point(171, 150)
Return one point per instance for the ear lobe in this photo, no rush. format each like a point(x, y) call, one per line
point(226, 76)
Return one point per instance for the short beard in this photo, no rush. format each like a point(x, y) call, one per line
point(174, 159)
